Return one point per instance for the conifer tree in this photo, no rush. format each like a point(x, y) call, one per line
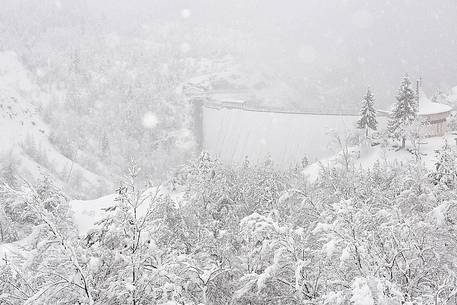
point(367, 113)
point(404, 112)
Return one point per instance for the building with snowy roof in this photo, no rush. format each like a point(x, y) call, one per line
point(434, 116)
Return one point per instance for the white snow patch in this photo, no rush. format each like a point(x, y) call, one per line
point(361, 293)
point(87, 212)
point(334, 298)
point(345, 254)
point(426, 106)
point(330, 247)
point(129, 287)
point(322, 227)
point(439, 214)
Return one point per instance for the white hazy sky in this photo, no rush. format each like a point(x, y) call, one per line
point(327, 49)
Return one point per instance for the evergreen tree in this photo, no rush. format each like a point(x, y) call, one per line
point(367, 113)
point(404, 112)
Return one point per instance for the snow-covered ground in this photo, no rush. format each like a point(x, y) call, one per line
point(87, 212)
point(366, 157)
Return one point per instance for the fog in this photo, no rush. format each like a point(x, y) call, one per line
point(325, 50)
point(99, 68)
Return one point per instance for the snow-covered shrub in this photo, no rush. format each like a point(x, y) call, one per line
point(250, 235)
point(446, 167)
point(46, 268)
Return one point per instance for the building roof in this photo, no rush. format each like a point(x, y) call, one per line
point(427, 107)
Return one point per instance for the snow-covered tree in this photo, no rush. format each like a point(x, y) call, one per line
point(446, 166)
point(128, 266)
point(404, 112)
point(50, 266)
point(342, 141)
point(278, 265)
point(416, 133)
point(244, 235)
point(367, 113)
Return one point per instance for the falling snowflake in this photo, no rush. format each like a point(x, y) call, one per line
point(150, 120)
point(185, 13)
point(40, 73)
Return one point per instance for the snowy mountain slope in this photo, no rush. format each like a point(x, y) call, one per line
point(24, 137)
